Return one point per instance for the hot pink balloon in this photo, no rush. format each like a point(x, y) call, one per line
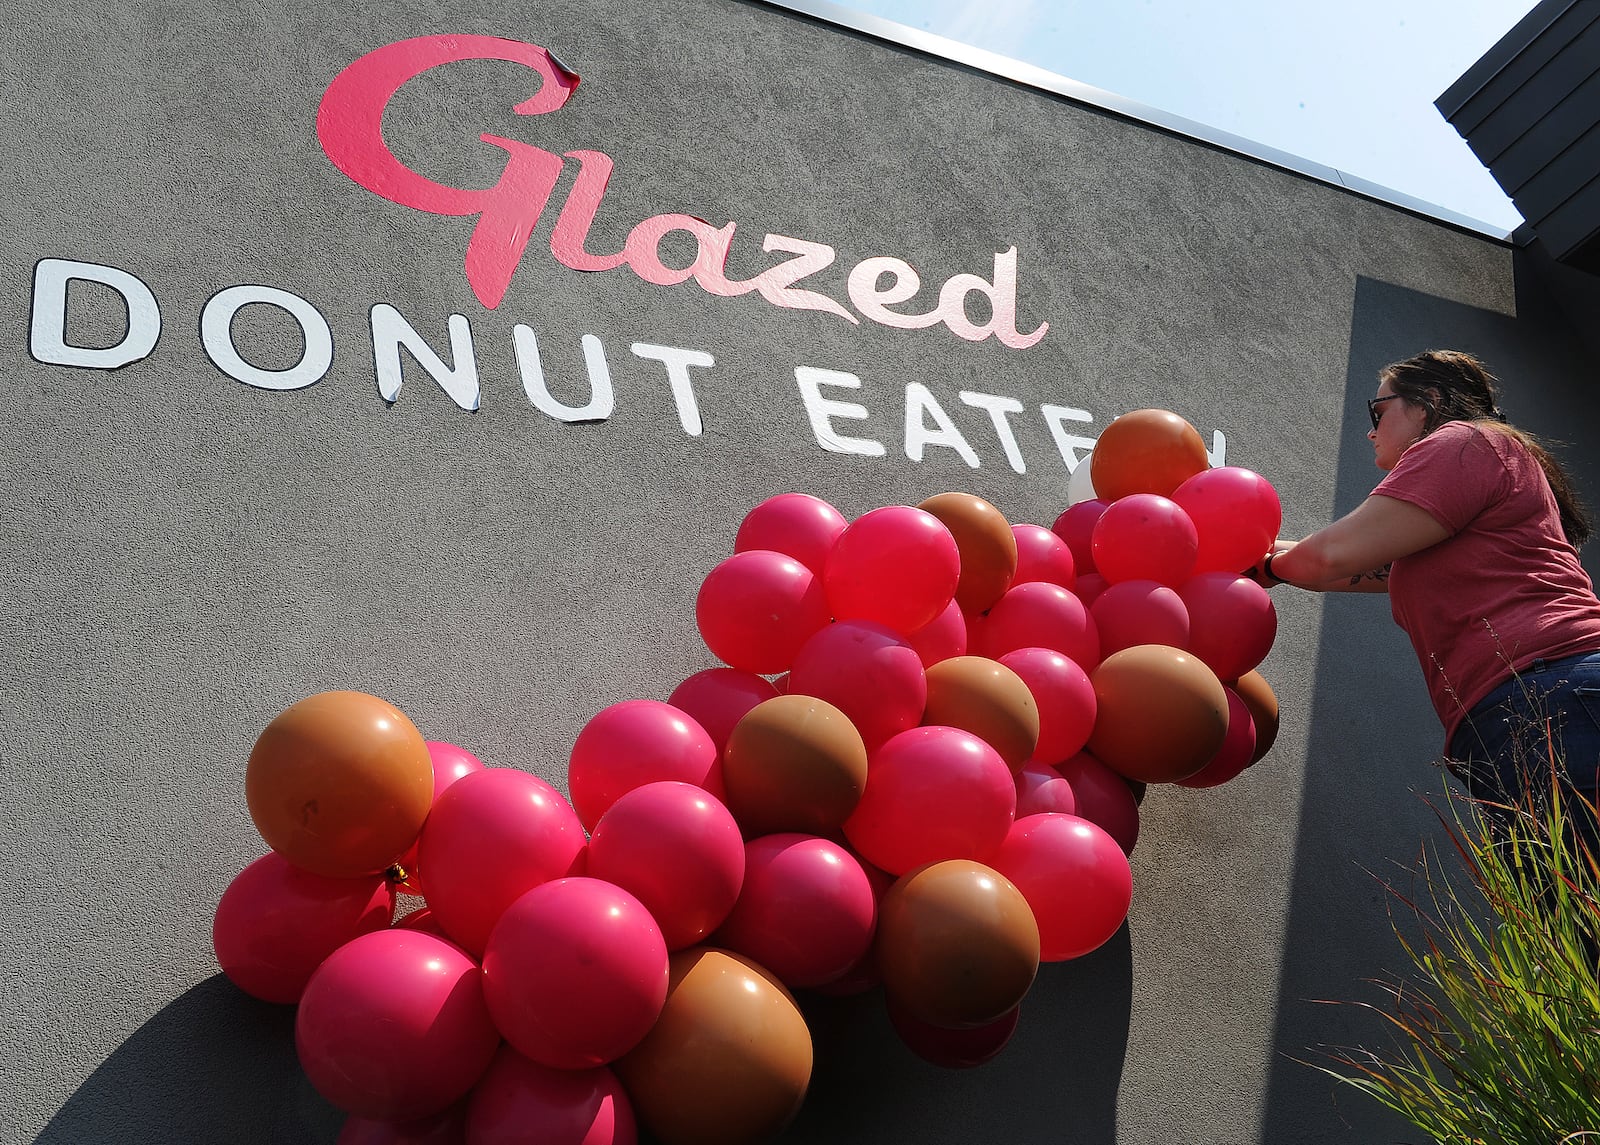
point(276, 923)
point(393, 1026)
point(1042, 555)
point(1089, 588)
point(953, 1049)
point(1041, 789)
point(1075, 526)
point(1041, 615)
point(1144, 536)
point(932, 793)
point(677, 849)
point(1103, 797)
point(422, 919)
point(520, 1102)
point(807, 911)
point(757, 607)
point(450, 763)
point(1065, 697)
point(943, 638)
point(718, 698)
point(1237, 751)
point(1075, 877)
point(869, 673)
point(896, 566)
point(575, 973)
point(797, 524)
point(441, 1129)
point(1134, 612)
point(1232, 622)
point(1236, 513)
point(490, 838)
point(633, 743)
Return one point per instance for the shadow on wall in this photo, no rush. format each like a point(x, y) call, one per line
point(1372, 734)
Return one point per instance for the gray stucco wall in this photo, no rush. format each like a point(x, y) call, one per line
point(187, 555)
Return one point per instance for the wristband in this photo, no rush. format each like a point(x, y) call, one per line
point(1266, 567)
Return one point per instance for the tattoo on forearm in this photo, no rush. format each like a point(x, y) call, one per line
point(1374, 574)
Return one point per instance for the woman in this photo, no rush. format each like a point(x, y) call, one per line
point(1473, 533)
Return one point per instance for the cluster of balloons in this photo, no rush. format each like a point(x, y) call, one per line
point(919, 769)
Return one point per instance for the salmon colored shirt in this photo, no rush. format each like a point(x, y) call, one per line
point(1505, 588)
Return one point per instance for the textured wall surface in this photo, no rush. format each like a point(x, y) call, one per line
point(186, 555)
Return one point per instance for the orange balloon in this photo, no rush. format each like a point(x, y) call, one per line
point(728, 1061)
point(986, 698)
point(1257, 695)
point(1146, 451)
point(1160, 713)
point(793, 763)
point(957, 944)
point(986, 543)
point(339, 784)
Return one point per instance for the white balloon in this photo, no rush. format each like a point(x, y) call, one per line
point(1080, 487)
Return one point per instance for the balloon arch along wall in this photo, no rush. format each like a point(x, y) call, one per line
point(918, 774)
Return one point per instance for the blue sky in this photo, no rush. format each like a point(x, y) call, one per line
point(1346, 83)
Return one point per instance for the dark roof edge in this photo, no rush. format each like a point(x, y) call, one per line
point(1506, 49)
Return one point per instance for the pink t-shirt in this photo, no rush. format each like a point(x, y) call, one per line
point(1505, 588)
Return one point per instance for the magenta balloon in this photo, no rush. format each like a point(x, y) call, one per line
point(633, 743)
point(1089, 588)
point(276, 923)
point(450, 763)
point(807, 911)
point(1074, 875)
point(1041, 789)
point(869, 673)
point(1040, 615)
point(677, 849)
point(1232, 622)
point(718, 698)
point(1064, 696)
point(943, 638)
point(1135, 612)
point(1236, 513)
point(953, 1049)
point(575, 973)
point(757, 607)
point(490, 838)
point(933, 793)
point(520, 1102)
point(441, 1129)
point(896, 566)
point(1042, 555)
point(796, 524)
point(393, 1026)
point(1103, 797)
point(1144, 536)
point(1237, 751)
point(1075, 526)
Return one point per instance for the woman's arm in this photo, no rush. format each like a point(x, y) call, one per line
point(1354, 553)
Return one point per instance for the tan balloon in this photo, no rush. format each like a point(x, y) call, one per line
point(793, 763)
point(984, 697)
point(1160, 713)
point(986, 543)
point(1257, 695)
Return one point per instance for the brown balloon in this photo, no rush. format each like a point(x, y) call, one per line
point(1146, 451)
point(728, 1061)
point(986, 543)
point(1160, 713)
point(986, 698)
point(1257, 695)
point(339, 784)
point(793, 763)
point(957, 944)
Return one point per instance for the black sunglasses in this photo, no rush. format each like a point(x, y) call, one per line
point(1374, 403)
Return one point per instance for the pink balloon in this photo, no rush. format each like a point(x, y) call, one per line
point(1041, 789)
point(490, 838)
point(677, 849)
point(422, 919)
point(1075, 877)
point(866, 671)
point(718, 698)
point(896, 566)
point(1232, 622)
point(520, 1102)
point(1144, 536)
point(1040, 615)
point(441, 1129)
point(1065, 697)
point(932, 793)
point(633, 743)
point(575, 973)
point(393, 1026)
point(1103, 797)
point(943, 638)
point(1089, 588)
point(1236, 513)
point(1135, 612)
point(450, 763)
point(796, 524)
point(1237, 751)
point(1042, 555)
point(757, 607)
point(276, 923)
point(953, 1049)
point(1076, 527)
point(807, 911)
